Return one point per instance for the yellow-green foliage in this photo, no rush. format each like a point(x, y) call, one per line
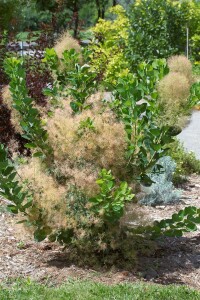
point(195, 45)
point(180, 64)
point(108, 56)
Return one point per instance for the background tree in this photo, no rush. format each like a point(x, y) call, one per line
point(148, 34)
point(101, 7)
point(21, 15)
point(158, 28)
point(74, 6)
point(10, 14)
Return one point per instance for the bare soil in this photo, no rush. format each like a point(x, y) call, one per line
point(176, 260)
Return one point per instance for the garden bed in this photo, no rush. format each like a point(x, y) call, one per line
point(176, 260)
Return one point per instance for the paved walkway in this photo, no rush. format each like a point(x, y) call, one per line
point(190, 136)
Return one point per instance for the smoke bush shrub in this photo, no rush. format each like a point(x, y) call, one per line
point(48, 194)
point(174, 88)
point(15, 117)
point(180, 64)
point(66, 42)
point(174, 92)
point(162, 191)
point(83, 143)
point(77, 222)
point(79, 157)
point(178, 92)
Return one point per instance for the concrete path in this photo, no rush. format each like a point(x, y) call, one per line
point(190, 136)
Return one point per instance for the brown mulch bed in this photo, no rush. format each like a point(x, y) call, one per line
point(176, 260)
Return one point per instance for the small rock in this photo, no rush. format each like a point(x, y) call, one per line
point(192, 185)
point(161, 207)
point(184, 197)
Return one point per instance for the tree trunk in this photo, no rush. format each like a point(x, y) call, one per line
point(99, 13)
point(101, 9)
point(76, 18)
point(114, 2)
point(103, 12)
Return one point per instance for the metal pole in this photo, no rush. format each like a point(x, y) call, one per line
point(187, 47)
point(21, 48)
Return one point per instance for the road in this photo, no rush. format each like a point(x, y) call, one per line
point(190, 136)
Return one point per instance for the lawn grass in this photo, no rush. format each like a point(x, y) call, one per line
point(79, 290)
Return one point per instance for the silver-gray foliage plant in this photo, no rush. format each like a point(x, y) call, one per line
point(162, 191)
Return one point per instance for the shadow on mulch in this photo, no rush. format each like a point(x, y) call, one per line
point(59, 261)
point(174, 255)
point(174, 258)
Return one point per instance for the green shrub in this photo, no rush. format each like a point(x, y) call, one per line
point(10, 188)
point(107, 51)
point(30, 121)
point(196, 69)
point(149, 35)
point(190, 11)
point(87, 217)
point(72, 79)
point(135, 103)
point(194, 99)
point(86, 137)
point(110, 202)
point(161, 30)
point(186, 162)
point(186, 220)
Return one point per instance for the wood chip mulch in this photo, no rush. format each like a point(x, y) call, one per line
point(176, 260)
